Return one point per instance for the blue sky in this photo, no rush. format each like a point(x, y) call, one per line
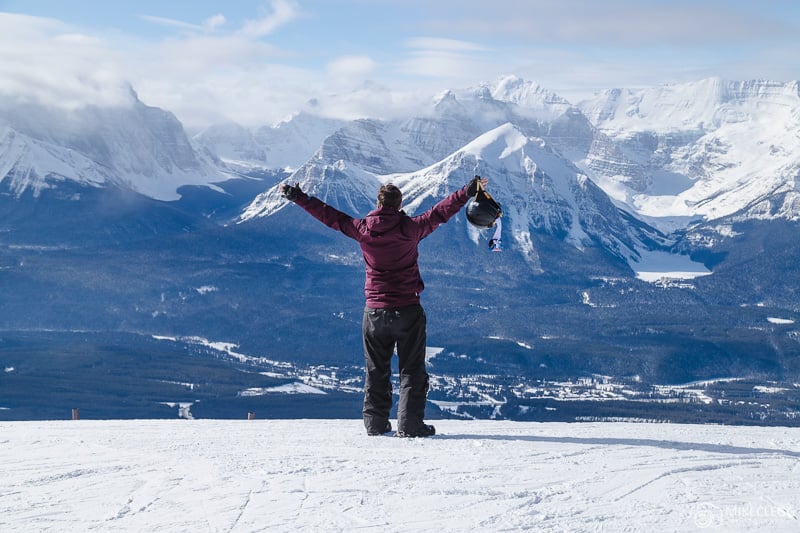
point(255, 62)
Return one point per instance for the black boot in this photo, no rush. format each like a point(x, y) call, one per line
point(425, 430)
point(373, 432)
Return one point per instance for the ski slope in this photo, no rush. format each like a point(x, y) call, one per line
point(327, 475)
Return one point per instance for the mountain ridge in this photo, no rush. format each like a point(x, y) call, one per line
point(137, 146)
point(581, 289)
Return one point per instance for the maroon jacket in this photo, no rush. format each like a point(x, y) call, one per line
point(388, 239)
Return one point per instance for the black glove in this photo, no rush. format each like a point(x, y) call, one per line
point(473, 186)
point(291, 192)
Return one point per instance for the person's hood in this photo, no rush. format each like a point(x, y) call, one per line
point(383, 219)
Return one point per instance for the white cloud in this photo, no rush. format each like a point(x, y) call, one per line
point(616, 22)
point(450, 60)
point(441, 44)
point(57, 65)
point(215, 21)
point(348, 67)
point(209, 24)
point(283, 12)
point(198, 57)
point(437, 64)
point(172, 23)
point(369, 99)
point(252, 97)
point(215, 68)
point(202, 74)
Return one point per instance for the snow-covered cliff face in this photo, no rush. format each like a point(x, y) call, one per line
point(30, 164)
point(140, 147)
point(703, 150)
point(703, 105)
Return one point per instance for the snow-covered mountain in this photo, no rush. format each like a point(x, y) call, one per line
point(672, 155)
point(98, 249)
point(232, 143)
point(539, 188)
point(540, 191)
point(347, 187)
point(453, 119)
point(700, 151)
point(136, 146)
point(288, 144)
point(531, 97)
point(698, 157)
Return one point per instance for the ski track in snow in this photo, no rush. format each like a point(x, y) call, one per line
point(327, 475)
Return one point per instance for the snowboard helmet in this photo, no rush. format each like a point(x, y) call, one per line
point(483, 210)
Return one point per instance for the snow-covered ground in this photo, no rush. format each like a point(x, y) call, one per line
point(327, 475)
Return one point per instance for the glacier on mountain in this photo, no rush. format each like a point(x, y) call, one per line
point(708, 150)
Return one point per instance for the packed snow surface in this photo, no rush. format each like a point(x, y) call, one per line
point(327, 475)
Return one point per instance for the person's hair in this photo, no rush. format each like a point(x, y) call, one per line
point(389, 196)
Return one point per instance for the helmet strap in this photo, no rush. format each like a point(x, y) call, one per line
point(496, 243)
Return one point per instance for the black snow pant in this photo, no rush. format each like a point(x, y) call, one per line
point(383, 329)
